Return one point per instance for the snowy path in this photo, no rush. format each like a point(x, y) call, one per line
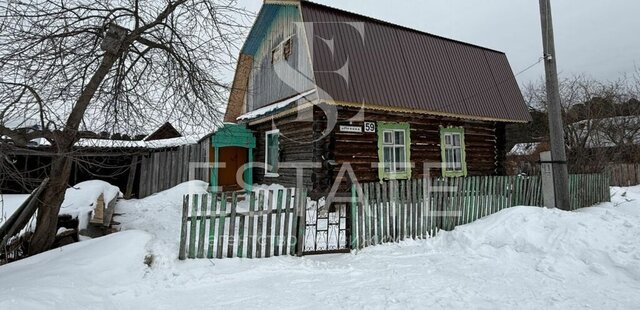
point(523, 257)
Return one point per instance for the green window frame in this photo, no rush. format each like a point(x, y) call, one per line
point(453, 152)
point(394, 151)
point(271, 153)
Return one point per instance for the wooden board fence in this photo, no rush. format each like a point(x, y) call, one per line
point(418, 208)
point(624, 174)
point(260, 224)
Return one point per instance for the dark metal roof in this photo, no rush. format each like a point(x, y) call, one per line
point(396, 68)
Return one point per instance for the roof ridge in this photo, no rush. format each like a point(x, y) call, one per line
point(387, 23)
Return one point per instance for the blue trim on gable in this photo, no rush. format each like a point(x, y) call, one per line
point(268, 14)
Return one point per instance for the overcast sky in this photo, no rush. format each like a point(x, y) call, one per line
point(594, 37)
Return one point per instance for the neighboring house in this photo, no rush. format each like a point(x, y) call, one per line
point(350, 89)
point(138, 167)
point(524, 158)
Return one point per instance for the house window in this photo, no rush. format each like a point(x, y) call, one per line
point(287, 47)
point(282, 51)
point(394, 150)
point(272, 153)
point(276, 54)
point(453, 153)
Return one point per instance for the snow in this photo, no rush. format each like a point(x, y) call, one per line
point(9, 203)
point(80, 200)
point(273, 107)
point(521, 149)
point(522, 257)
point(154, 144)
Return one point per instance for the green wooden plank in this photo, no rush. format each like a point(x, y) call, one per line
point(366, 217)
point(374, 214)
point(202, 223)
point(192, 232)
point(240, 251)
point(494, 194)
point(278, 231)
point(302, 225)
point(295, 238)
point(269, 233)
point(287, 214)
point(459, 200)
point(232, 225)
point(409, 209)
point(484, 181)
point(379, 213)
point(411, 213)
point(223, 211)
point(406, 197)
point(444, 205)
point(385, 212)
point(354, 217)
point(403, 216)
point(392, 202)
point(360, 218)
point(451, 203)
point(419, 209)
point(259, 229)
point(435, 197)
point(182, 255)
point(212, 225)
point(251, 232)
point(474, 200)
point(415, 208)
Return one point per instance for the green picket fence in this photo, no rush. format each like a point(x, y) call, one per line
point(263, 223)
point(586, 190)
point(401, 209)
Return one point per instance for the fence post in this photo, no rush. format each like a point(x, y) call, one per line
point(354, 217)
point(183, 228)
point(302, 220)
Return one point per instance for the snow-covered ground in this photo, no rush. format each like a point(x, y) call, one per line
point(9, 204)
point(523, 257)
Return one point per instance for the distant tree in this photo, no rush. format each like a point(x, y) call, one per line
point(597, 115)
point(117, 65)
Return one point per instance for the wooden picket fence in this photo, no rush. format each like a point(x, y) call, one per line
point(396, 210)
point(586, 190)
point(263, 223)
point(267, 223)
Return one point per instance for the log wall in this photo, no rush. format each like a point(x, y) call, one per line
point(296, 146)
point(361, 149)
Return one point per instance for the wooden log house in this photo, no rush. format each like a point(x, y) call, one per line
point(321, 88)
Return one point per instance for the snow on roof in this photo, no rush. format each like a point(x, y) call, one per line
point(275, 106)
point(523, 149)
point(154, 144)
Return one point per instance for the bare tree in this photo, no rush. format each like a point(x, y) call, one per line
point(75, 65)
point(598, 116)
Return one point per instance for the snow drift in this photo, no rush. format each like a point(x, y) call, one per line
point(523, 257)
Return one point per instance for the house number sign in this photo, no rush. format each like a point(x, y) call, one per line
point(369, 127)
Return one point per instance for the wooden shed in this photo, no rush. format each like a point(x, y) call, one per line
point(348, 98)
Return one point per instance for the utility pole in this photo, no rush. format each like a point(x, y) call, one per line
point(556, 127)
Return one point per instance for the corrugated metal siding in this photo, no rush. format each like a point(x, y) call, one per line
point(269, 83)
point(398, 67)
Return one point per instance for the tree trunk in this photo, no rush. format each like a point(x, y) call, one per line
point(49, 205)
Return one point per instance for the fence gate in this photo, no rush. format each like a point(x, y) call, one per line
point(326, 226)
